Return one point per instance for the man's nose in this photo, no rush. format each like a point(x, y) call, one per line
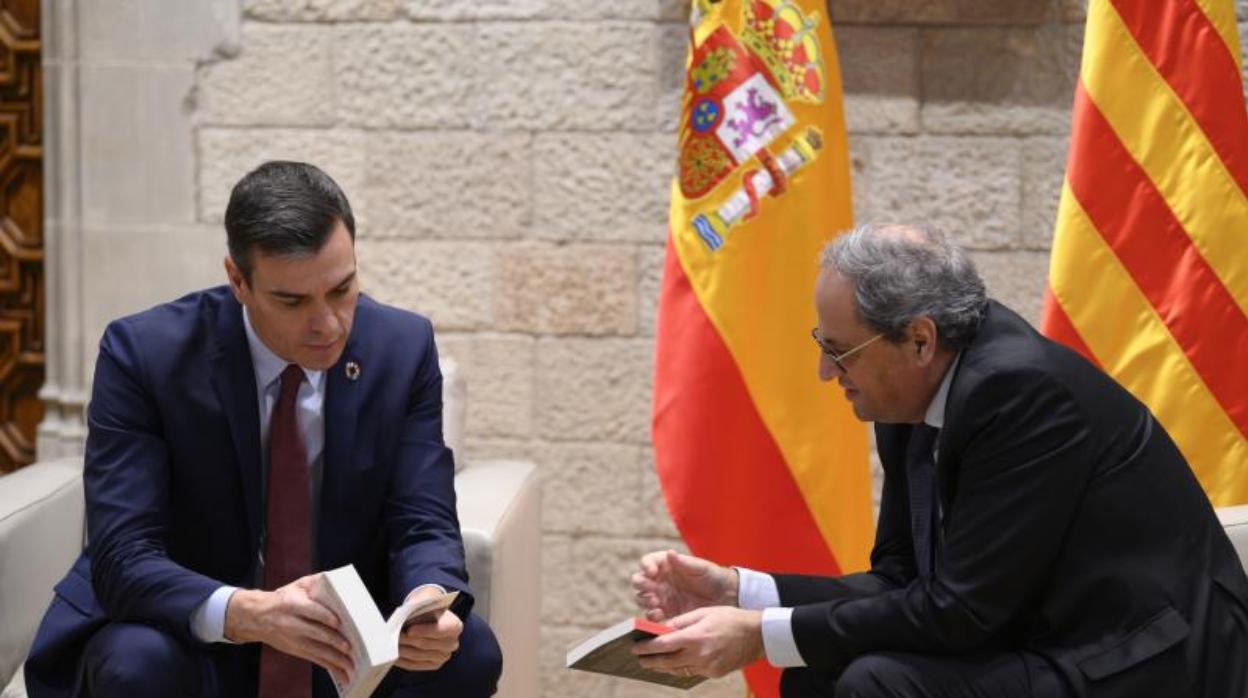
point(324, 321)
point(827, 368)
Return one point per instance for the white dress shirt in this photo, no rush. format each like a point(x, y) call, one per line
point(756, 590)
point(208, 620)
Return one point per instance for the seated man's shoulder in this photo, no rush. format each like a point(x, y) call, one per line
point(387, 323)
point(186, 320)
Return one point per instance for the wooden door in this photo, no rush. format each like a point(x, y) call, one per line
point(21, 232)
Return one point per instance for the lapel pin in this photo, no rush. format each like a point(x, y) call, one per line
point(352, 370)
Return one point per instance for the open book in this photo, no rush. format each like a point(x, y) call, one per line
point(374, 640)
point(610, 652)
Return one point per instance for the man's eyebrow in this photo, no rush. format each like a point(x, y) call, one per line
point(346, 279)
point(290, 295)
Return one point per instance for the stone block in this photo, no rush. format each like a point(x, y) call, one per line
point(656, 520)
point(138, 160)
point(595, 389)
point(968, 187)
point(596, 591)
point(499, 374)
point(650, 261)
point(860, 177)
point(450, 282)
point(586, 76)
point(406, 76)
point(673, 10)
point(322, 10)
point(1072, 11)
point(448, 184)
point(1044, 168)
point(591, 488)
point(557, 681)
point(730, 686)
point(672, 46)
point(156, 30)
point(479, 448)
point(573, 289)
point(1009, 12)
point(603, 187)
point(226, 154)
point(559, 578)
point(1016, 278)
point(1243, 48)
point(282, 76)
point(459, 10)
point(879, 70)
point(1008, 80)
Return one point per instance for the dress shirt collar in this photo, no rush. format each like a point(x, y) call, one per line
point(935, 416)
point(269, 366)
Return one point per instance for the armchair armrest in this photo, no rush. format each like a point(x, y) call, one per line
point(41, 533)
point(500, 520)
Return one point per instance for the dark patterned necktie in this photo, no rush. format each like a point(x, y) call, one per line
point(921, 476)
point(288, 539)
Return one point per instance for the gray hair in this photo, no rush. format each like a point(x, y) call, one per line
point(900, 273)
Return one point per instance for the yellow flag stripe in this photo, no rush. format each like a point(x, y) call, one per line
point(1132, 343)
point(1221, 14)
point(1162, 136)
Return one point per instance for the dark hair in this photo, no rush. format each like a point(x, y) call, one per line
point(283, 208)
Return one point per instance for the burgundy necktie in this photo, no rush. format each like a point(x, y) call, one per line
point(288, 541)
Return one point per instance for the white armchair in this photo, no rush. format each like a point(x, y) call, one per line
point(41, 532)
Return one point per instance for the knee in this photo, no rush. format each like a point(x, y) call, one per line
point(134, 661)
point(869, 676)
point(472, 672)
point(479, 658)
point(803, 683)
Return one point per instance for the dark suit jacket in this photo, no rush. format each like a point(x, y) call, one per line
point(173, 477)
point(1072, 528)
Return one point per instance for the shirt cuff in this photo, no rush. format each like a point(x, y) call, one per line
point(756, 590)
point(439, 587)
point(208, 620)
point(778, 640)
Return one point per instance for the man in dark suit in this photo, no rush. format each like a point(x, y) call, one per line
point(1039, 533)
point(242, 438)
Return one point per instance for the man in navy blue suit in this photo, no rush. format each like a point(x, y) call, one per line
point(243, 438)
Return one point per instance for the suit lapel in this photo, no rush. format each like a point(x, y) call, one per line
point(234, 379)
point(342, 411)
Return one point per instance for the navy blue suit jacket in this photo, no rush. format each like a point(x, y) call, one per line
point(173, 476)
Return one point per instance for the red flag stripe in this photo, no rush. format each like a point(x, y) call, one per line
point(1056, 325)
point(1199, 67)
point(733, 470)
point(1159, 255)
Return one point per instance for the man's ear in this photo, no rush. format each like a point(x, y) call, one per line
point(923, 339)
point(238, 283)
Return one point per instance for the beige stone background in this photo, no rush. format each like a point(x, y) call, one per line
point(508, 161)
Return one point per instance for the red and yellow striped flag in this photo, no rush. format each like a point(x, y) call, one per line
point(1149, 274)
point(761, 465)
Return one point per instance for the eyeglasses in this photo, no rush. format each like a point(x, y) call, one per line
point(839, 359)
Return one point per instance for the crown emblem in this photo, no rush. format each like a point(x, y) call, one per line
point(785, 40)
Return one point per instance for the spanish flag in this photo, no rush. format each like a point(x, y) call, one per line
point(1149, 273)
point(761, 465)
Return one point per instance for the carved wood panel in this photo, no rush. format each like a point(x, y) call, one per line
point(21, 232)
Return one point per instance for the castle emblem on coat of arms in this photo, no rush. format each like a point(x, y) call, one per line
point(737, 105)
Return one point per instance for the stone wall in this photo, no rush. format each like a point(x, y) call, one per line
point(508, 161)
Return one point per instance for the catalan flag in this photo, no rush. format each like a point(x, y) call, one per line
point(760, 464)
point(1149, 273)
